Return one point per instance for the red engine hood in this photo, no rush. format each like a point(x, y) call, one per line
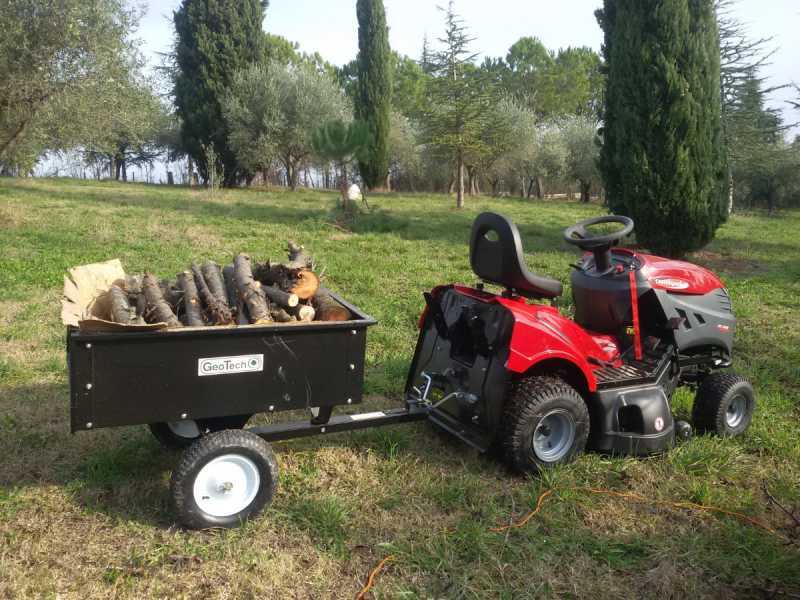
point(677, 276)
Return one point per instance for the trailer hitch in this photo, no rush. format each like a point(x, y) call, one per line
point(422, 400)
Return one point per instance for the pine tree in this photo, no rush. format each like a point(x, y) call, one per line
point(459, 100)
point(374, 93)
point(662, 157)
point(215, 38)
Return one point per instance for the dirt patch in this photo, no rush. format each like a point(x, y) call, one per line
point(725, 262)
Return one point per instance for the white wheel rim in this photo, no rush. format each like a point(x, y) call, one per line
point(186, 429)
point(226, 485)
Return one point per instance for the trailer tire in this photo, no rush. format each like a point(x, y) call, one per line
point(182, 434)
point(545, 423)
point(724, 404)
point(223, 479)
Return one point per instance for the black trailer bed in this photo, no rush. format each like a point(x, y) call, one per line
point(135, 378)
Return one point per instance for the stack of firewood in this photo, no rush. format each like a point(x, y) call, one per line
point(240, 293)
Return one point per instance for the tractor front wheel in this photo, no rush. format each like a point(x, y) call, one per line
point(724, 404)
point(546, 423)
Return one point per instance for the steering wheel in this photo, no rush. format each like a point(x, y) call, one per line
point(579, 236)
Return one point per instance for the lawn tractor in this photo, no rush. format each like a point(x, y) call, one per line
point(504, 371)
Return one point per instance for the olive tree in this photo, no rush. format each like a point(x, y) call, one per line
point(272, 111)
point(580, 139)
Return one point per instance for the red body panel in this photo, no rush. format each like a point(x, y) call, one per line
point(678, 277)
point(540, 332)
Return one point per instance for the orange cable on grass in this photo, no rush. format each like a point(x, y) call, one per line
point(639, 498)
point(528, 517)
point(372, 575)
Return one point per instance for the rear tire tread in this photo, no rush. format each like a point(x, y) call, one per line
point(201, 452)
point(524, 405)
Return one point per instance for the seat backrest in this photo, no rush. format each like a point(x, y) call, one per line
point(495, 253)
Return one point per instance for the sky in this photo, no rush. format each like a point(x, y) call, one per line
point(330, 27)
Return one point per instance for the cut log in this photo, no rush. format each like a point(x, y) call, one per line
point(279, 315)
point(192, 309)
point(306, 284)
point(234, 300)
point(213, 277)
point(172, 294)
point(250, 290)
point(217, 313)
point(298, 257)
point(303, 312)
point(157, 310)
point(279, 297)
point(121, 311)
point(329, 309)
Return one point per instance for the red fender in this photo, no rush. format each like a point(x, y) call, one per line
point(541, 333)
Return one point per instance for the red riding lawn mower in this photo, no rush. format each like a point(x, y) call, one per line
point(495, 370)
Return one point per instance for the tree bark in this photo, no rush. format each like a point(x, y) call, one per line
point(328, 309)
point(192, 310)
point(298, 257)
point(157, 310)
point(586, 188)
point(217, 312)
point(279, 297)
point(121, 311)
point(234, 299)
point(539, 187)
point(250, 290)
point(213, 277)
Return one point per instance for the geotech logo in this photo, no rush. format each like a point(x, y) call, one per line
point(671, 283)
point(227, 365)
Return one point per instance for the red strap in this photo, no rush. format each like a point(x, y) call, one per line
point(637, 334)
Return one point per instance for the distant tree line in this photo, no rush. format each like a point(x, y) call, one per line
point(530, 123)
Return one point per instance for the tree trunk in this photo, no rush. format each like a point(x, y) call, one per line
point(586, 188)
point(170, 178)
point(730, 191)
point(189, 170)
point(460, 179)
point(250, 290)
point(530, 187)
point(539, 187)
point(343, 187)
point(192, 310)
point(124, 168)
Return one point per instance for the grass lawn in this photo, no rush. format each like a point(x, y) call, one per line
point(88, 515)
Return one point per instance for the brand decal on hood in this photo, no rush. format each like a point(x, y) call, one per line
point(672, 283)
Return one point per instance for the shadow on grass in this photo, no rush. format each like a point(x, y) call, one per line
point(124, 472)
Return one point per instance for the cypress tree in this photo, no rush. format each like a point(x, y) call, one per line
point(662, 157)
point(215, 38)
point(374, 90)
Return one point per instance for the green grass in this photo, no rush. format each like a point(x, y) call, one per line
point(88, 515)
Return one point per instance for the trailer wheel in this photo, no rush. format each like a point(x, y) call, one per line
point(546, 423)
point(724, 404)
point(178, 435)
point(223, 479)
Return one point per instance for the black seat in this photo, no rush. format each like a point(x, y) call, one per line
point(495, 253)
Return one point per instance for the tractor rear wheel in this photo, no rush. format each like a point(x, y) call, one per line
point(724, 404)
point(546, 423)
